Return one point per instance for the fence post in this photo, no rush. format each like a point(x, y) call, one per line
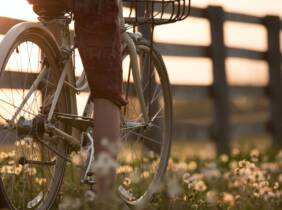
point(273, 57)
point(220, 90)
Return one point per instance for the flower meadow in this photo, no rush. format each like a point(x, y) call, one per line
point(240, 181)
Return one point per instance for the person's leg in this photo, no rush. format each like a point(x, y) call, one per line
point(98, 39)
point(106, 122)
point(106, 127)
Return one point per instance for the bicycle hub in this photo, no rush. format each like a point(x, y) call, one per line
point(34, 127)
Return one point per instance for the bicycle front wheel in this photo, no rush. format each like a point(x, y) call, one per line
point(145, 149)
point(31, 173)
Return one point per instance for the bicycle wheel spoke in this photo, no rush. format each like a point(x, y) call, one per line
point(146, 145)
point(157, 113)
point(28, 169)
point(14, 106)
point(146, 137)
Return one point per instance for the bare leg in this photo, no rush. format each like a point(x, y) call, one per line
point(106, 126)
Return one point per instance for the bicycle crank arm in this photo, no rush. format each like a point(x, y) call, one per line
point(73, 142)
point(23, 161)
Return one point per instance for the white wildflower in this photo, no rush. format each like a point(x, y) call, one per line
point(211, 174)
point(186, 178)
point(235, 152)
point(76, 159)
point(104, 164)
point(40, 181)
point(89, 196)
point(174, 189)
point(145, 174)
point(192, 166)
point(212, 197)
point(126, 182)
point(124, 169)
point(200, 186)
point(228, 199)
point(224, 158)
point(69, 203)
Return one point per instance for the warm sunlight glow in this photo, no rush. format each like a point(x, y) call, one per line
point(242, 71)
point(17, 9)
point(189, 70)
point(196, 32)
point(191, 31)
point(254, 7)
point(242, 35)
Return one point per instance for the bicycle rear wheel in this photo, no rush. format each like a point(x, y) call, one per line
point(31, 173)
point(145, 148)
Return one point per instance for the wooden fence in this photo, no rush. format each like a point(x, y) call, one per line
point(221, 129)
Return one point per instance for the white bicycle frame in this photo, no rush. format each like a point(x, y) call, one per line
point(127, 39)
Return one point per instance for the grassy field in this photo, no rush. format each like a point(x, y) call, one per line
point(248, 179)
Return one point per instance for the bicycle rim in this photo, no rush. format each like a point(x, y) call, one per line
point(31, 174)
point(145, 149)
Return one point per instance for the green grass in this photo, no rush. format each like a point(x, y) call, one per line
point(248, 179)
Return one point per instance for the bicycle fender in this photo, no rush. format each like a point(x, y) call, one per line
point(12, 35)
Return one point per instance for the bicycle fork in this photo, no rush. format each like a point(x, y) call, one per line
point(135, 73)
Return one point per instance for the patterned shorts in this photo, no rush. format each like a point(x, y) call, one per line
point(99, 44)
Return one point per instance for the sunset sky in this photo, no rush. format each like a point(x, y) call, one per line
point(196, 31)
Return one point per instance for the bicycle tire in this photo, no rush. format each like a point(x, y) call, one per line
point(42, 41)
point(143, 46)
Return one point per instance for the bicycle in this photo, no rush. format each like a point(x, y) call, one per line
point(40, 126)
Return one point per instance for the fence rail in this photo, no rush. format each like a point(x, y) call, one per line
point(223, 125)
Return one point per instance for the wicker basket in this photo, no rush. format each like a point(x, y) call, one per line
point(156, 12)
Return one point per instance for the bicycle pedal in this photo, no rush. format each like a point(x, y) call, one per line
point(88, 181)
